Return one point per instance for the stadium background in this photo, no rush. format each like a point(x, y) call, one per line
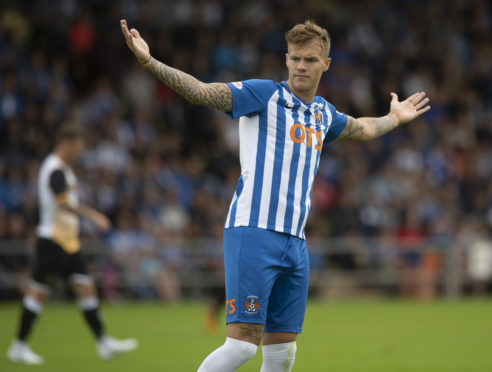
point(407, 215)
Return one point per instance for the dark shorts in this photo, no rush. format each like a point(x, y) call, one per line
point(51, 260)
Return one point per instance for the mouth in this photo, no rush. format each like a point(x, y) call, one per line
point(302, 77)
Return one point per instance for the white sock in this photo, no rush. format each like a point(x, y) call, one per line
point(229, 357)
point(31, 304)
point(88, 303)
point(278, 357)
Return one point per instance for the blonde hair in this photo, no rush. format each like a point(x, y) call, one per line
point(306, 32)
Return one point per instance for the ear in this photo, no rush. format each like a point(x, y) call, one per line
point(327, 64)
point(286, 58)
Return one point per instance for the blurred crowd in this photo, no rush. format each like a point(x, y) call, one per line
point(164, 170)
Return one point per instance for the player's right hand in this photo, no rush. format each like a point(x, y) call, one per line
point(101, 221)
point(136, 44)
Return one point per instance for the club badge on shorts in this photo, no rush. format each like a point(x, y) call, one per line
point(252, 304)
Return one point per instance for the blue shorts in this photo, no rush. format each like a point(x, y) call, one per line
point(266, 278)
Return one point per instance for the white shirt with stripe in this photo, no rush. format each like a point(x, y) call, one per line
point(281, 138)
point(56, 223)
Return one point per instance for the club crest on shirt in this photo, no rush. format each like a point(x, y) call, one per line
point(318, 115)
point(252, 304)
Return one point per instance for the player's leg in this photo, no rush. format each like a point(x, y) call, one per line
point(240, 346)
point(286, 311)
point(88, 302)
point(249, 279)
point(32, 303)
point(279, 351)
point(214, 308)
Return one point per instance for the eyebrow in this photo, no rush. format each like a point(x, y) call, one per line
point(291, 55)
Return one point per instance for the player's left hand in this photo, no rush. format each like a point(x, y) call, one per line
point(409, 109)
point(136, 43)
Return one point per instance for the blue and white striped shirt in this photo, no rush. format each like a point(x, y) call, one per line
point(281, 138)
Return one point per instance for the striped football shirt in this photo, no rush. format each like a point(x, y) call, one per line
point(281, 138)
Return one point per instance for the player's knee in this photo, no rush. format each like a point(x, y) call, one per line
point(270, 338)
point(83, 286)
point(40, 297)
point(88, 303)
point(248, 332)
point(38, 291)
point(279, 357)
point(229, 357)
point(82, 279)
point(32, 304)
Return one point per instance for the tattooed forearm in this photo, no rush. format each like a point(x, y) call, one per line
point(365, 129)
point(354, 130)
point(215, 95)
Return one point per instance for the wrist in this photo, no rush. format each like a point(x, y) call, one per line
point(144, 64)
point(392, 116)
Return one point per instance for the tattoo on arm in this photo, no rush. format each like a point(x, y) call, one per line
point(365, 129)
point(354, 130)
point(214, 95)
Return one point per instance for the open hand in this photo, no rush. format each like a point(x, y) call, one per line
point(136, 44)
point(101, 221)
point(409, 109)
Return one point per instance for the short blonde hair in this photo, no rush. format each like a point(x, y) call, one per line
point(308, 31)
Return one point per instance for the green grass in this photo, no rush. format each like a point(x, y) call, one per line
point(369, 336)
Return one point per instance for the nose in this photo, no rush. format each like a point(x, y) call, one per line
point(301, 66)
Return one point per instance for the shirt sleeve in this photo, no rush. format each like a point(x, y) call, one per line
point(338, 123)
point(58, 183)
point(250, 97)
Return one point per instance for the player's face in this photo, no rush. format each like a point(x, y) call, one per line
point(306, 63)
point(76, 148)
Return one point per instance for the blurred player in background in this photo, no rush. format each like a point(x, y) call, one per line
point(58, 250)
point(282, 128)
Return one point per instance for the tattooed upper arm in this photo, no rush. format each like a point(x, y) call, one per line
point(354, 130)
point(218, 96)
point(214, 95)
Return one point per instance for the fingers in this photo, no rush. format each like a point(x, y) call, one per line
point(124, 29)
point(394, 97)
point(415, 98)
point(135, 33)
point(412, 97)
point(129, 34)
point(421, 104)
point(425, 109)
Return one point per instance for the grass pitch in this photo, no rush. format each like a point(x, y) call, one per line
point(369, 336)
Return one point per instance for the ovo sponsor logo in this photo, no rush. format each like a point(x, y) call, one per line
point(301, 134)
point(231, 306)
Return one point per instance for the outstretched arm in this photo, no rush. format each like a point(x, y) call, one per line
point(99, 219)
point(214, 95)
point(366, 129)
